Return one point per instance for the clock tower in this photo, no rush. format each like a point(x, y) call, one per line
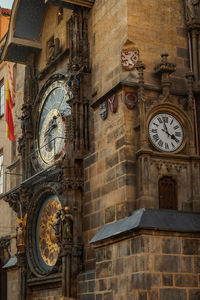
point(109, 202)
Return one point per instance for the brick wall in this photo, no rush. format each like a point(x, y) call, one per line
point(159, 266)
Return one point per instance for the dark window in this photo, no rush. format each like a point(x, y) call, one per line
point(167, 193)
point(3, 277)
point(1, 98)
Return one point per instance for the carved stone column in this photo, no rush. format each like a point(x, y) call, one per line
point(141, 103)
point(22, 263)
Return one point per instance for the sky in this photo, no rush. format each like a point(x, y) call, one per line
point(6, 3)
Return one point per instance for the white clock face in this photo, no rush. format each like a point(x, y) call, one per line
point(165, 132)
point(54, 109)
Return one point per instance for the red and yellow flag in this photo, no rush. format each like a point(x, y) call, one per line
point(9, 117)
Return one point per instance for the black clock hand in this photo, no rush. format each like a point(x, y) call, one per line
point(174, 138)
point(166, 132)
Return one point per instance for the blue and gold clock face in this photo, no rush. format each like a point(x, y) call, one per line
point(54, 109)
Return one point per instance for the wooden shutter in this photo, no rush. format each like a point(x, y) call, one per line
point(167, 193)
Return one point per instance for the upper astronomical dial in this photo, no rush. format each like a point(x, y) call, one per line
point(54, 110)
point(165, 132)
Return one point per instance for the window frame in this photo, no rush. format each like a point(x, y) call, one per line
point(1, 173)
point(2, 98)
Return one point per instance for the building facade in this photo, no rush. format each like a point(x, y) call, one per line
point(10, 171)
point(109, 202)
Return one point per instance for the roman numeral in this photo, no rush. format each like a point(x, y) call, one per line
point(160, 143)
point(166, 146)
point(176, 127)
point(172, 145)
point(165, 119)
point(154, 130)
point(178, 134)
point(155, 124)
point(171, 122)
point(160, 120)
point(155, 137)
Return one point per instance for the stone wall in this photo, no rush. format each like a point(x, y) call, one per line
point(109, 173)
point(86, 286)
point(149, 265)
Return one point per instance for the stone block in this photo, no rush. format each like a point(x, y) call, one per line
point(108, 296)
point(186, 280)
point(100, 255)
point(104, 269)
point(186, 264)
point(118, 266)
point(102, 285)
point(112, 160)
point(121, 210)
point(110, 175)
point(145, 244)
point(90, 160)
point(197, 264)
point(182, 52)
point(142, 295)
point(167, 280)
point(191, 246)
point(120, 142)
point(109, 187)
point(173, 294)
point(171, 245)
point(124, 249)
point(167, 263)
point(145, 281)
point(194, 294)
point(110, 214)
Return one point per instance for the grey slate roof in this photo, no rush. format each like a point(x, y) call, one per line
point(151, 219)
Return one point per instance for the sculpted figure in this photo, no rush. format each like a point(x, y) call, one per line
point(67, 224)
point(192, 9)
point(20, 234)
point(26, 124)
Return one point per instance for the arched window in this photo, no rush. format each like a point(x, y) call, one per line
point(167, 193)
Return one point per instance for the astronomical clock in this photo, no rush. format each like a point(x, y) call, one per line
point(55, 138)
point(54, 109)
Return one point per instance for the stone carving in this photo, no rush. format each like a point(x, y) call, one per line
point(21, 233)
point(67, 224)
point(129, 58)
point(131, 99)
point(113, 103)
point(26, 121)
point(103, 110)
point(192, 10)
point(73, 79)
point(53, 49)
point(5, 242)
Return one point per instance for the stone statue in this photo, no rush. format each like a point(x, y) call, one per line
point(192, 10)
point(20, 234)
point(26, 123)
point(67, 224)
point(73, 80)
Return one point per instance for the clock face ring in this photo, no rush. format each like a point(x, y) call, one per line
point(51, 139)
point(53, 112)
point(47, 247)
point(165, 132)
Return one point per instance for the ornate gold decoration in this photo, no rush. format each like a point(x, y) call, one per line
point(47, 239)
